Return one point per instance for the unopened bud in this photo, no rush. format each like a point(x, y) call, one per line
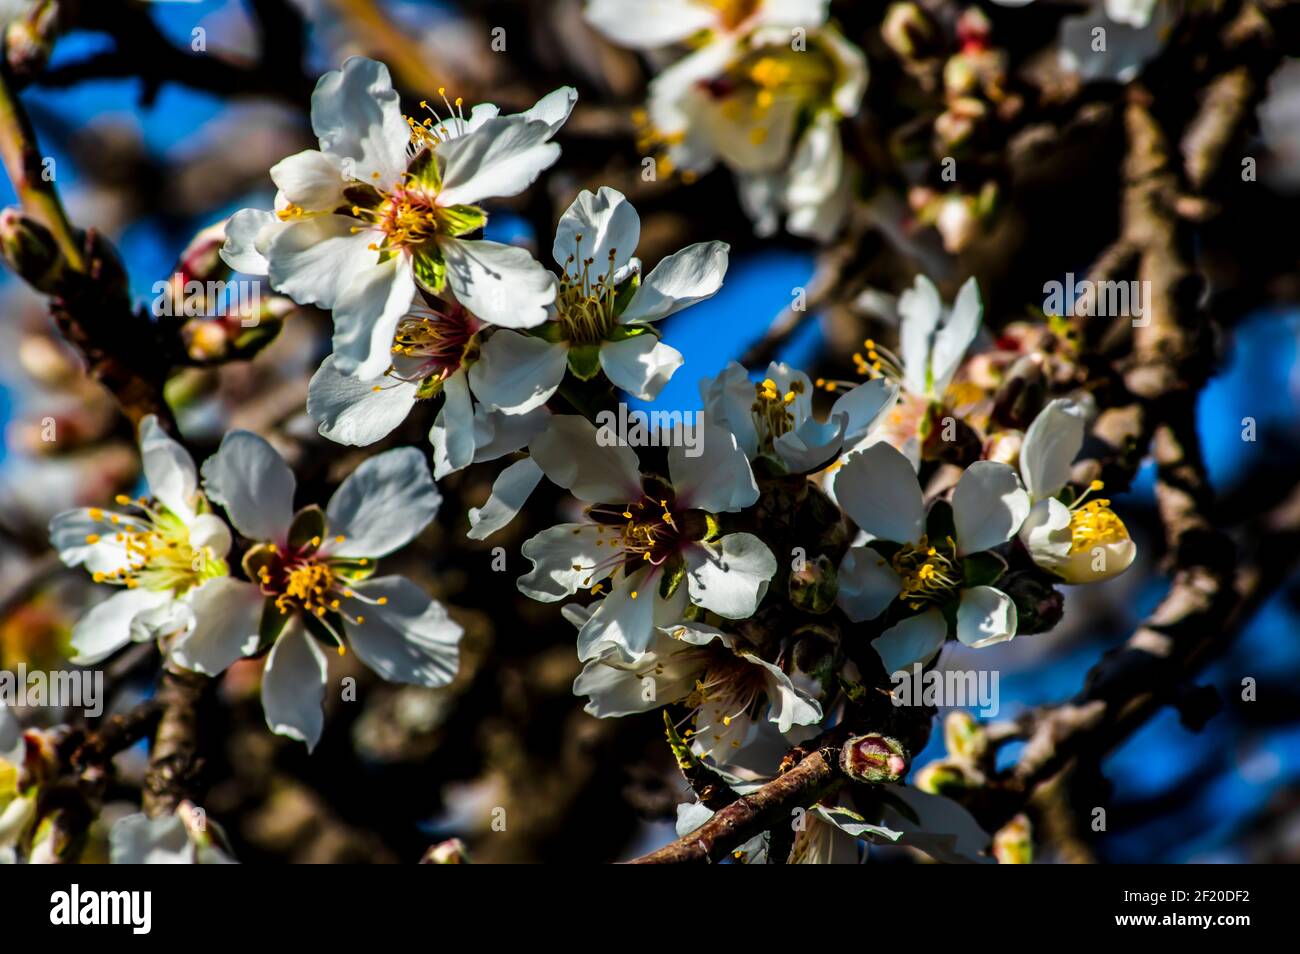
point(964, 737)
point(449, 852)
point(30, 250)
point(813, 588)
point(908, 31)
point(944, 778)
point(1014, 843)
point(873, 758)
point(974, 29)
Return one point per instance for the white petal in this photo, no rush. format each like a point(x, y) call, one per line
point(985, 616)
point(615, 688)
point(410, 638)
point(920, 308)
point(502, 157)
point(646, 24)
point(728, 399)
point(510, 491)
point(554, 108)
point(501, 284)
point(571, 455)
point(988, 506)
point(108, 626)
point(293, 686)
point(562, 558)
point(878, 489)
point(956, 335)
point(168, 469)
point(730, 577)
point(357, 115)
point(867, 584)
point(357, 412)
point(517, 373)
point(497, 434)
point(625, 619)
point(1050, 446)
point(314, 260)
point(787, 705)
point(366, 315)
point(210, 531)
point(70, 530)
point(452, 434)
point(248, 234)
point(606, 222)
point(640, 365)
point(254, 484)
point(1046, 532)
point(140, 840)
point(310, 180)
point(915, 639)
point(679, 281)
point(811, 444)
point(383, 505)
point(863, 406)
point(227, 616)
point(718, 479)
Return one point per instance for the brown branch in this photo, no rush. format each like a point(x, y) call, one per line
point(174, 761)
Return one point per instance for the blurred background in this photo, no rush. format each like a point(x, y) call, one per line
point(151, 149)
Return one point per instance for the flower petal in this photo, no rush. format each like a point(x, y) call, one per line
point(168, 469)
point(408, 639)
point(251, 480)
point(679, 281)
point(311, 180)
point(553, 109)
point(863, 406)
point(988, 506)
point(572, 456)
point(640, 365)
point(501, 158)
point(517, 373)
point(985, 616)
point(625, 619)
point(383, 505)
point(357, 116)
point(920, 309)
point(293, 686)
point(314, 260)
point(71, 531)
point(915, 639)
point(501, 284)
point(452, 434)
point(227, 617)
point(357, 412)
point(878, 489)
point(718, 479)
point(110, 625)
point(730, 577)
point(366, 315)
point(593, 227)
point(1051, 443)
point(646, 24)
point(867, 584)
point(562, 558)
point(248, 234)
point(510, 491)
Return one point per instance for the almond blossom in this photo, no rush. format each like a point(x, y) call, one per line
point(165, 552)
point(384, 205)
point(313, 581)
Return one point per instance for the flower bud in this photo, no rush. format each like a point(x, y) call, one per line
point(813, 588)
point(449, 852)
point(908, 31)
point(1021, 395)
point(964, 737)
point(1014, 844)
point(30, 250)
point(944, 778)
point(873, 758)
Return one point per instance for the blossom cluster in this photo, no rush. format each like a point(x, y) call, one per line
point(818, 536)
